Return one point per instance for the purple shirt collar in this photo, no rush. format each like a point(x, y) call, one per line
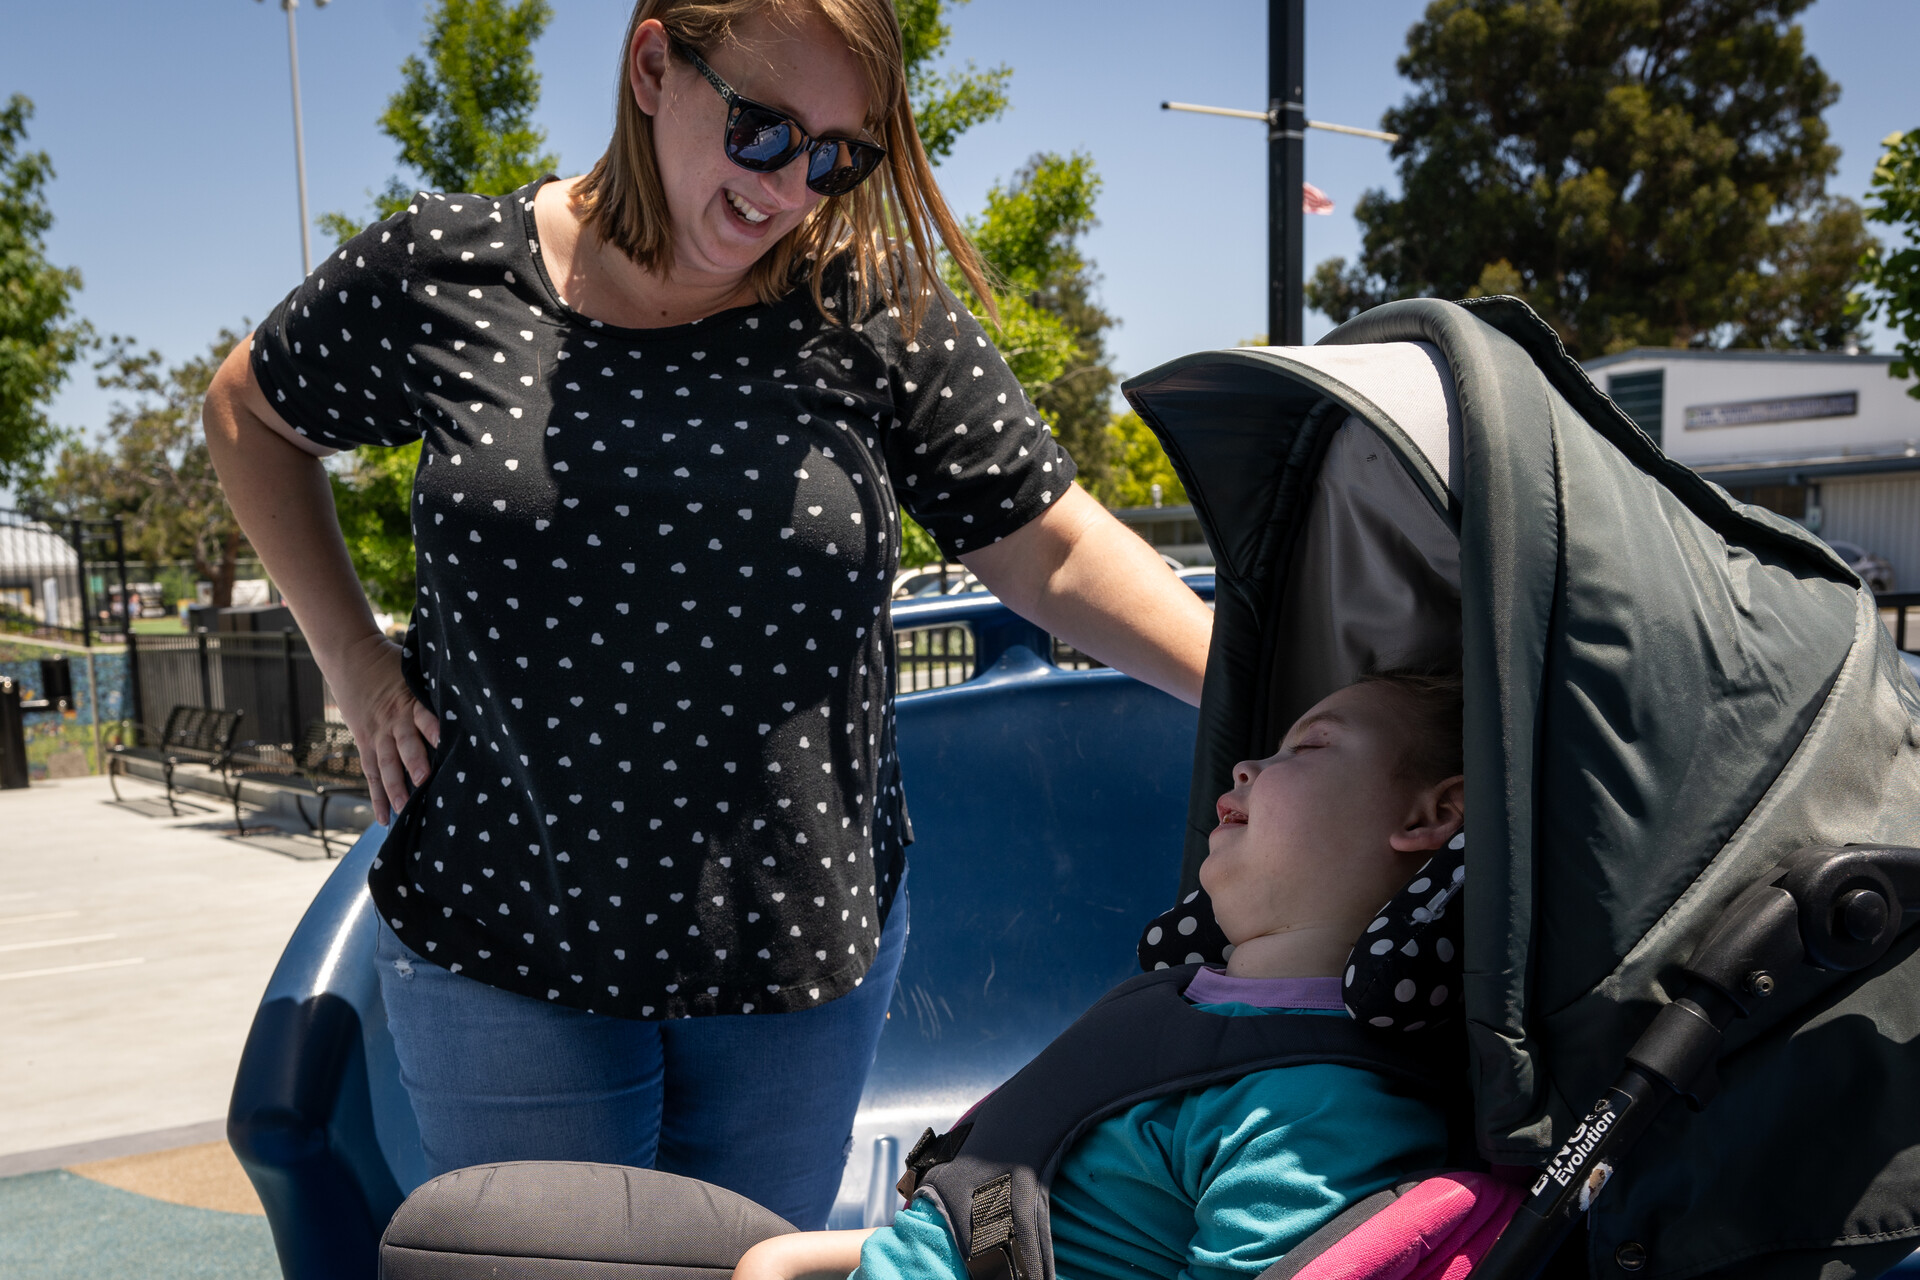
point(1212, 986)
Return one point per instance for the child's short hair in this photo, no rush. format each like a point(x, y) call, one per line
point(1434, 742)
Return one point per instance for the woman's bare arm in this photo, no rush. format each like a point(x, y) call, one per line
point(1096, 584)
point(279, 492)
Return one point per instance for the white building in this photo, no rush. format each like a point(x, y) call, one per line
point(1826, 438)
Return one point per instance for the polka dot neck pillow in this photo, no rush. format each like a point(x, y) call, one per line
point(1403, 973)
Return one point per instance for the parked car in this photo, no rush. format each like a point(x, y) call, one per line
point(1873, 570)
point(934, 580)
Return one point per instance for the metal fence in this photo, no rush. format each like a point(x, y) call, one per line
point(62, 579)
point(1894, 607)
point(270, 677)
point(933, 657)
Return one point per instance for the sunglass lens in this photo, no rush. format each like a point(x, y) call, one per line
point(761, 139)
point(838, 168)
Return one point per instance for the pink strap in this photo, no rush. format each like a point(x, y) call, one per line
point(1438, 1231)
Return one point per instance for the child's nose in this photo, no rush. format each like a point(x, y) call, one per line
point(1245, 772)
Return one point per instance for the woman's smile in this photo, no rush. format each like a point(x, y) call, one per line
point(748, 214)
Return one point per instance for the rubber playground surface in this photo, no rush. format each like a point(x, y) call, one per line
point(184, 1214)
point(134, 946)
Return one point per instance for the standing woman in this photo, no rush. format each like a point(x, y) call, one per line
point(643, 900)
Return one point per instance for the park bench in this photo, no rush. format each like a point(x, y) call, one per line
point(193, 735)
point(325, 763)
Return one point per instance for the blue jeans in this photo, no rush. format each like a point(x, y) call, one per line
point(762, 1104)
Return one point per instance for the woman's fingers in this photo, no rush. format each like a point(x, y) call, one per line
point(392, 771)
point(413, 748)
point(425, 721)
point(376, 788)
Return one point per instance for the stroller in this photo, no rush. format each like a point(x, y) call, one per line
point(1691, 763)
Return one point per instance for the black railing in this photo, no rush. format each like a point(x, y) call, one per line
point(1899, 602)
point(933, 657)
point(62, 579)
point(269, 676)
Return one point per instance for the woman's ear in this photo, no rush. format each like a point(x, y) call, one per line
point(1436, 816)
point(647, 65)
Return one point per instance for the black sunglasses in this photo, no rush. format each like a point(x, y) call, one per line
point(762, 139)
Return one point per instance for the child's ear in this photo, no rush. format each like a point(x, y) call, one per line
point(1436, 816)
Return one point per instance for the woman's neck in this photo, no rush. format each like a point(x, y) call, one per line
point(601, 283)
point(1315, 950)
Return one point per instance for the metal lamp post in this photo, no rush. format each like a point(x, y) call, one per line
point(1287, 123)
point(299, 138)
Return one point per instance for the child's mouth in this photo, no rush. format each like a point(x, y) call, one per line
point(1229, 816)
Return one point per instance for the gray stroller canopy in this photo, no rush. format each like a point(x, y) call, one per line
point(1668, 692)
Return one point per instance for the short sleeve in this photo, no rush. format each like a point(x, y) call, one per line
point(917, 1246)
point(969, 455)
point(332, 357)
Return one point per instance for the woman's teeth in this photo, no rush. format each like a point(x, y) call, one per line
point(744, 209)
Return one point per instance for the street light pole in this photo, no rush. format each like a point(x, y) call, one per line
point(299, 134)
point(1287, 125)
point(1286, 165)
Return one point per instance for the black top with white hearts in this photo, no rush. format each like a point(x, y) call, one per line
point(654, 569)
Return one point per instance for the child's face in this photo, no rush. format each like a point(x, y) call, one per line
point(1321, 833)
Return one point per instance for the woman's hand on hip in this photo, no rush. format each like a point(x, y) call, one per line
point(279, 492)
point(394, 731)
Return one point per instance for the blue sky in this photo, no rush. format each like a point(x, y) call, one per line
point(169, 124)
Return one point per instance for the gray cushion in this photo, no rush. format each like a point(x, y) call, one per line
point(557, 1220)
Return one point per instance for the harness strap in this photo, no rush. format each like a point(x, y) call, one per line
point(989, 1176)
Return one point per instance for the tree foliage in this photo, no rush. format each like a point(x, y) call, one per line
point(463, 119)
point(1139, 464)
point(946, 103)
point(1642, 172)
point(39, 339)
point(463, 116)
point(153, 469)
point(373, 497)
point(1050, 331)
point(1892, 277)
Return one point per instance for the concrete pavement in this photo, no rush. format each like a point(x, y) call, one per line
point(133, 949)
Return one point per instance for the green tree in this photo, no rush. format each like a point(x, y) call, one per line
point(1139, 463)
point(463, 119)
point(945, 103)
point(1892, 278)
point(153, 469)
point(1640, 173)
point(373, 494)
point(1050, 332)
point(463, 116)
point(39, 339)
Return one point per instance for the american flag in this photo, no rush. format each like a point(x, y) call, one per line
point(1314, 200)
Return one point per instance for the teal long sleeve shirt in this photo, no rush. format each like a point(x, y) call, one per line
point(1215, 1184)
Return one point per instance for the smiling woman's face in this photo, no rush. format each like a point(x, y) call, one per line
point(1308, 836)
point(726, 217)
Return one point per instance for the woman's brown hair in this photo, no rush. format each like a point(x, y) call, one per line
point(887, 224)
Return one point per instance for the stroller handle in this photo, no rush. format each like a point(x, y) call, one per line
point(1837, 909)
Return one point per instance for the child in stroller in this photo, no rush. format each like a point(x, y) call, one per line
point(1224, 1179)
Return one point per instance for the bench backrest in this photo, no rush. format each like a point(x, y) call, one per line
point(200, 729)
point(328, 753)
